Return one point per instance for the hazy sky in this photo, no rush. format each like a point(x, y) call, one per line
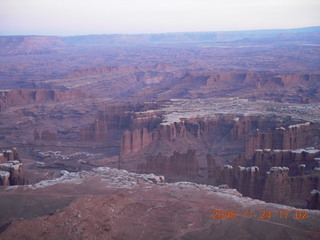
point(74, 17)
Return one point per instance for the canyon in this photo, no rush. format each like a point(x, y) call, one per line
point(172, 125)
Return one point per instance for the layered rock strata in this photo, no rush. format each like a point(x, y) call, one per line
point(27, 96)
point(288, 177)
point(226, 136)
point(177, 165)
point(229, 135)
point(115, 120)
point(290, 137)
point(10, 168)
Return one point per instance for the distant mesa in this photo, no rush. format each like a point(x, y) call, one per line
point(28, 45)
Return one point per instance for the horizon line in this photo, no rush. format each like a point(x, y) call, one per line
point(161, 33)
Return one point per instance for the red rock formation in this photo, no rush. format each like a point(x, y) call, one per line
point(184, 164)
point(243, 126)
point(137, 139)
point(260, 79)
point(226, 134)
point(277, 185)
point(9, 155)
point(4, 178)
point(228, 176)
point(248, 181)
point(95, 132)
point(10, 168)
point(256, 80)
point(212, 129)
point(315, 200)
point(116, 119)
point(290, 184)
point(217, 79)
point(19, 97)
point(178, 165)
point(291, 137)
point(133, 141)
point(267, 158)
point(158, 164)
point(285, 87)
point(299, 191)
point(213, 170)
point(244, 179)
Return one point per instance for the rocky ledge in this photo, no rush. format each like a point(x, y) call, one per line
point(109, 203)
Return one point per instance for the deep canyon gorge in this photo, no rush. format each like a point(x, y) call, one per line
point(145, 123)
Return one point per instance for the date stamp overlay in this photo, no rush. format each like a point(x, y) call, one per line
point(262, 214)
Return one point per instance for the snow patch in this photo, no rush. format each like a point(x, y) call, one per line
point(307, 150)
point(299, 125)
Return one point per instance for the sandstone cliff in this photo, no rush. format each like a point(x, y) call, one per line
point(10, 168)
point(136, 139)
point(45, 135)
point(267, 158)
point(295, 191)
point(289, 177)
point(226, 134)
point(178, 166)
point(27, 96)
point(157, 149)
point(115, 121)
point(295, 87)
point(288, 137)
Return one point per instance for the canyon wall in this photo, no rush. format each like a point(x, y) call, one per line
point(226, 134)
point(45, 135)
point(10, 98)
point(288, 177)
point(103, 128)
point(253, 85)
point(267, 158)
point(199, 129)
point(143, 82)
point(115, 121)
point(178, 166)
point(260, 144)
point(297, 191)
point(138, 138)
point(290, 137)
point(259, 80)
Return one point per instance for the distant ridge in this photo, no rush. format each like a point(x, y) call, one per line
point(26, 45)
point(299, 29)
point(308, 33)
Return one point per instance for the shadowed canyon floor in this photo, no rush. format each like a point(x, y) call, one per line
point(145, 136)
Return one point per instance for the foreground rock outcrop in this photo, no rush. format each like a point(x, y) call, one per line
point(116, 204)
